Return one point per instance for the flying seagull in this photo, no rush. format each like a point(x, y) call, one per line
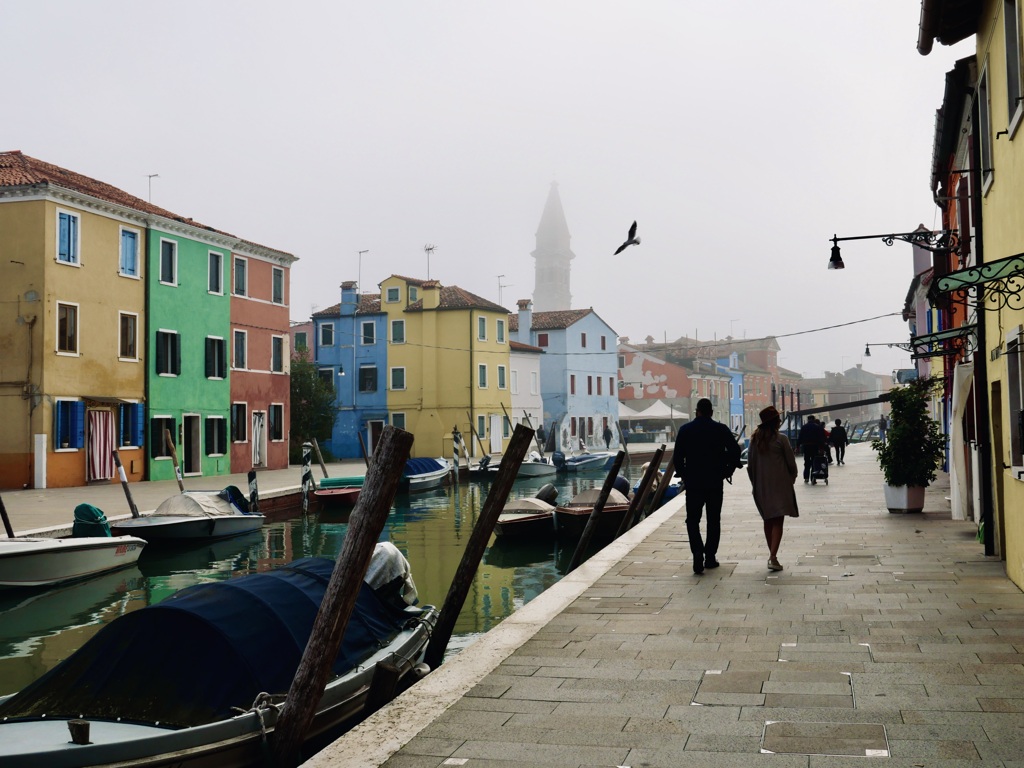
point(632, 239)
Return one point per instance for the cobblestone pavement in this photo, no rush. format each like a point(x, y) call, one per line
point(887, 640)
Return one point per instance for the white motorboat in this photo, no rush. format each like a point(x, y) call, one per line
point(533, 465)
point(585, 462)
point(36, 562)
point(424, 474)
point(193, 515)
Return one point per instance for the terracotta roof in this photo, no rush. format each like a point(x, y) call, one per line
point(518, 346)
point(369, 303)
point(555, 320)
point(409, 280)
point(453, 297)
point(19, 170)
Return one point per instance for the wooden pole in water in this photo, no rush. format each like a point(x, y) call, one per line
point(635, 507)
point(663, 483)
point(540, 448)
point(319, 457)
point(497, 495)
point(595, 513)
point(174, 457)
point(364, 530)
point(6, 519)
point(362, 447)
point(124, 484)
point(307, 476)
point(622, 438)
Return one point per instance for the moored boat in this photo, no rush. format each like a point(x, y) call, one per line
point(528, 517)
point(198, 679)
point(585, 462)
point(424, 474)
point(193, 515)
point(570, 519)
point(35, 562)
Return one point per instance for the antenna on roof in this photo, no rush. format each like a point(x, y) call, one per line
point(428, 249)
point(151, 176)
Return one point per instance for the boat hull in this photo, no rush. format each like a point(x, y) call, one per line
point(173, 528)
point(592, 462)
point(42, 562)
point(337, 497)
point(569, 521)
point(536, 469)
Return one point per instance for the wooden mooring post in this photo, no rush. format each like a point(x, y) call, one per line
point(596, 512)
point(364, 528)
point(319, 457)
point(174, 457)
point(124, 484)
point(254, 493)
point(493, 504)
point(636, 505)
point(6, 519)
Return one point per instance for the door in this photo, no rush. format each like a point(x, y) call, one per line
point(191, 461)
point(259, 439)
point(100, 445)
point(998, 459)
point(495, 433)
point(375, 428)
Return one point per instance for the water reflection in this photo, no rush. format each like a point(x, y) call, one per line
point(38, 628)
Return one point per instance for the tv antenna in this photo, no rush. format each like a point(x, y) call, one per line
point(428, 249)
point(500, 286)
point(151, 176)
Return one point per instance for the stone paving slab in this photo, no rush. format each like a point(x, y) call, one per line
point(879, 623)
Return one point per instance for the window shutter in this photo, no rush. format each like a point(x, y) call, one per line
point(176, 344)
point(210, 362)
point(58, 419)
point(138, 424)
point(64, 247)
point(161, 353)
point(156, 439)
point(211, 436)
point(78, 425)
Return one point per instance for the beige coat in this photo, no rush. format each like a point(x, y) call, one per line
point(772, 474)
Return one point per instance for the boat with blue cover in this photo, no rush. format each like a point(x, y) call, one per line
point(424, 474)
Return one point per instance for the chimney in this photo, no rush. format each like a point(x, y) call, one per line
point(525, 320)
point(430, 294)
point(349, 298)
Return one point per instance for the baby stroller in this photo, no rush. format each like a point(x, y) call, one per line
point(819, 467)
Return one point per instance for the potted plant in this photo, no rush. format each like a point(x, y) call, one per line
point(914, 447)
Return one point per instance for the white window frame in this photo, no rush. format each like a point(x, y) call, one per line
point(244, 421)
point(77, 351)
point(227, 434)
point(235, 261)
point(276, 272)
point(1014, 340)
point(284, 432)
point(120, 337)
point(534, 382)
point(120, 253)
point(392, 372)
point(398, 416)
point(1014, 81)
point(76, 245)
point(211, 255)
point(392, 295)
point(372, 326)
point(275, 340)
point(499, 331)
point(397, 324)
point(223, 352)
point(481, 376)
point(502, 377)
point(235, 335)
point(323, 328)
point(172, 359)
point(174, 262)
point(481, 329)
point(513, 383)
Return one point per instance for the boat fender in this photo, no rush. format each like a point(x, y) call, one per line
point(547, 493)
point(420, 671)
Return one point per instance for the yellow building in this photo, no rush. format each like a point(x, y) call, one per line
point(72, 314)
point(447, 365)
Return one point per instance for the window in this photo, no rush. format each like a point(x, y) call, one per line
point(398, 331)
point(367, 378)
point(240, 286)
point(392, 295)
point(481, 376)
point(300, 340)
point(1015, 397)
point(1011, 30)
point(481, 328)
point(369, 332)
point(622, 361)
point(327, 377)
point(611, 384)
point(277, 354)
point(604, 343)
point(69, 424)
point(168, 262)
point(590, 385)
point(128, 340)
point(984, 136)
point(502, 384)
point(514, 383)
point(572, 383)
point(413, 293)
point(499, 331)
point(216, 359)
point(542, 339)
point(239, 423)
point(241, 340)
point(276, 417)
point(327, 335)
point(215, 269)
point(216, 436)
point(506, 428)
point(583, 340)
point(159, 426)
point(131, 424)
point(67, 238)
point(67, 328)
point(398, 420)
point(534, 383)
point(481, 423)
point(277, 295)
point(598, 384)
point(168, 353)
point(398, 378)
point(129, 263)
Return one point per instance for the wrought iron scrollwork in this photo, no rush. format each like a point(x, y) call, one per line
point(1002, 283)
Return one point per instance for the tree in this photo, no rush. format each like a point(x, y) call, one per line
point(314, 405)
point(914, 444)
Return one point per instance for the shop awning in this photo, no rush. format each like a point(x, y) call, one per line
point(928, 339)
point(1003, 269)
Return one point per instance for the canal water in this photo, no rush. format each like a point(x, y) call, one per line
point(39, 628)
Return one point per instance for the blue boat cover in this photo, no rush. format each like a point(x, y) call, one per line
point(208, 648)
point(421, 466)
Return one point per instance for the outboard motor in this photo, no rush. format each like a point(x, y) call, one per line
point(621, 484)
point(547, 493)
point(558, 459)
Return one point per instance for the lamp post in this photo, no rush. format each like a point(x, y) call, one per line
point(899, 344)
point(940, 240)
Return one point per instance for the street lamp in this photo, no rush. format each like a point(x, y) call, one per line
point(940, 240)
point(899, 344)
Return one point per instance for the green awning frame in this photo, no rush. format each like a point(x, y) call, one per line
point(1003, 269)
point(928, 339)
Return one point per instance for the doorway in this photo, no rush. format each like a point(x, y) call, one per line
point(259, 439)
point(495, 433)
point(191, 460)
point(374, 429)
point(996, 408)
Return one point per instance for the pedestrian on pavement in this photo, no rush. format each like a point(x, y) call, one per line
point(883, 426)
point(839, 439)
point(705, 454)
point(607, 435)
point(812, 442)
point(771, 467)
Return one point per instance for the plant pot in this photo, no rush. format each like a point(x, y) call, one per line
point(64, 444)
point(904, 498)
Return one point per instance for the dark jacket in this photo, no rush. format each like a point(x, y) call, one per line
point(838, 436)
point(812, 435)
point(705, 453)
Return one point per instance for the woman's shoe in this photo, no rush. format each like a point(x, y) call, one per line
point(774, 565)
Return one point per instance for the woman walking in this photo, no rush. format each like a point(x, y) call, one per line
point(772, 470)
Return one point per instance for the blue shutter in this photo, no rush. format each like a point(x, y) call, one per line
point(138, 424)
point(58, 422)
point(78, 425)
point(63, 246)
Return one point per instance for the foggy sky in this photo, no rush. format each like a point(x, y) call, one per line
point(739, 135)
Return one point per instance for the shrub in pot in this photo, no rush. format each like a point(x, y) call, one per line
point(914, 446)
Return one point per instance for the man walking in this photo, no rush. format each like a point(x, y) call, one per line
point(839, 439)
point(705, 454)
point(812, 443)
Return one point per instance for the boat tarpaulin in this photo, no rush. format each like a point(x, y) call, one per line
point(421, 466)
point(225, 503)
point(208, 648)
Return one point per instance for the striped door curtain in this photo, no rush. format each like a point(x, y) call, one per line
point(102, 442)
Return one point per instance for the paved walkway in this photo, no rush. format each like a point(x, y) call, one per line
point(886, 635)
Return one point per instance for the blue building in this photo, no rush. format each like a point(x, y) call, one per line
point(731, 365)
point(351, 354)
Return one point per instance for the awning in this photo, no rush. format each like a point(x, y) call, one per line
point(928, 339)
point(1003, 269)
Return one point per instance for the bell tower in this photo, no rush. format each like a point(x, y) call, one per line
point(552, 254)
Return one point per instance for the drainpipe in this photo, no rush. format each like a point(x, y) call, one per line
point(926, 27)
point(471, 402)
